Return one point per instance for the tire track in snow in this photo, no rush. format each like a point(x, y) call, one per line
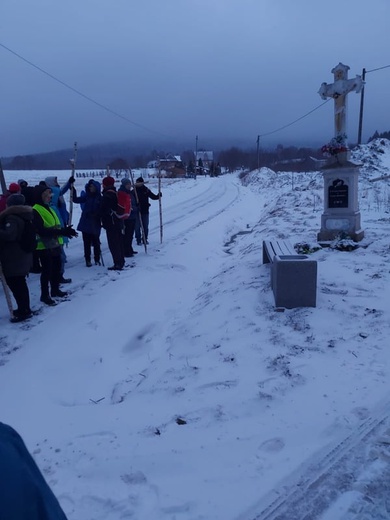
point(219, 198)
point(308, 492)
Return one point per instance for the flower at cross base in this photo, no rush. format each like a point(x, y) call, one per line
point(335, 146)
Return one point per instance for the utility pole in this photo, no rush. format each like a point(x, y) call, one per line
point(258, 152)
point(196, 153)
point(361, 108)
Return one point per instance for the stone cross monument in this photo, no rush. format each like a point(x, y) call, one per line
point(341, 216)
point(338, 91)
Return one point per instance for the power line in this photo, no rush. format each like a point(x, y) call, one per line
point(100, 105)
point(379, 68)
point(295, 121)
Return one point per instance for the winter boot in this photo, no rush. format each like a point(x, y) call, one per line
point(45, 298)
point(58, 293)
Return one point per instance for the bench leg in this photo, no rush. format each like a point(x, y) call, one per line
point(294, 283)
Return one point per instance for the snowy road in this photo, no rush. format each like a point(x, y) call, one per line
point(174, 391)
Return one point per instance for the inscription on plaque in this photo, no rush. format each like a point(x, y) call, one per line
point(338, 194)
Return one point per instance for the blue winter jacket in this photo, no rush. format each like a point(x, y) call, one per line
point(24, 493)
point(90, 220)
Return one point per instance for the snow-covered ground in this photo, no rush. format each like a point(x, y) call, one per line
point(174, 390)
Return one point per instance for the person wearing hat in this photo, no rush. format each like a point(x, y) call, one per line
point(13, 189)
point(27, 191)
point(143, 194)
point(15, 261)
point(129, 222)
point(50, 239)
point(90, 226)
point(112, 224)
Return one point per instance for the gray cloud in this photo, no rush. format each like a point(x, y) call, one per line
point(228, 69)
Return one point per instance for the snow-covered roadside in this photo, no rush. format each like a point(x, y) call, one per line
point(97, 386)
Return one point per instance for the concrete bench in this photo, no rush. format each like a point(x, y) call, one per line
point(293, 276)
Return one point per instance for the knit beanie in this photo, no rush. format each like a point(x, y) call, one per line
point(14, 188)
point(140, 179)
point(16, 200)
point(125, 181)
point(108, 181)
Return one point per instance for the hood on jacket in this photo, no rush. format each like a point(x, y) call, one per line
point(51, 181)
point(94, 183)
point(25, 212)
point(38, 190)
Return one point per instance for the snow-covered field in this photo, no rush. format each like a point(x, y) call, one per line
point(174, 390)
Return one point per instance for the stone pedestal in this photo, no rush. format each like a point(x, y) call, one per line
point(341, 214)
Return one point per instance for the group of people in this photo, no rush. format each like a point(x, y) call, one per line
point(123, 213)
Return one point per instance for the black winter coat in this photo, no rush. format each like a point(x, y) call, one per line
point(144, 194)
point(14, 261)
point(108, 208)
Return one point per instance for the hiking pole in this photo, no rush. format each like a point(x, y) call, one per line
point(73, 167)
point(159, 203)
point(6, 292)
point(139, 209)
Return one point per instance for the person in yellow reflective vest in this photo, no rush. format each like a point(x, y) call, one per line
point(50, 239)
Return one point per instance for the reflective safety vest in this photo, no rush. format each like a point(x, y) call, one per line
point(50, 220)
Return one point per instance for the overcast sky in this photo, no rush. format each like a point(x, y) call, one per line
point(219, 69)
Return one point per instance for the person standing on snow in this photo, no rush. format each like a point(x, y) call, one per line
point(129, 222)
point(59, 206)
point(13, 189)
point(143, 194)
point(112, 224)
point(90, 226)
point(50, 240)
point(14, 260)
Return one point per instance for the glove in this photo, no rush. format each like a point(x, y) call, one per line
point(71, 180)
point(68, 232)
point(160, 194)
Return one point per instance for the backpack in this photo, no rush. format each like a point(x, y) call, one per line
point(28, 239)
point(123, 209)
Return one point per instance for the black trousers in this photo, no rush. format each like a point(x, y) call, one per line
point(128, 236)
point(91, 241)
point(19, 289)
point(51, 270)
point(115, 243)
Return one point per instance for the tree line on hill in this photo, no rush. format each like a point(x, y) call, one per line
point(99, 156)
point(377, 135)
point(232, 158)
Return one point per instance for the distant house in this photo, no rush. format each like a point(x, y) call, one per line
point(172, 165)
point(152, 164)
point(206, 157)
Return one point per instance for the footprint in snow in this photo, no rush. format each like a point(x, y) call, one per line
point(272, 445)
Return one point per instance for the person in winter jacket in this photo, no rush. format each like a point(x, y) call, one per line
point(143, 194)
point(90, 200)
point(14, 260)
point(129, 222)
point(13, 189)
point(59, 206)
point(24, 493)
point(27, 191)
point(112, 224)
point(50, 239)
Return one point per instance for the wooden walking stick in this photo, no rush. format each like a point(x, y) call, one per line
point(7, 293)
point(73, 166)
point(159, 203)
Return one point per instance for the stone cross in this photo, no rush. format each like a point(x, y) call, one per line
point(338, 91)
